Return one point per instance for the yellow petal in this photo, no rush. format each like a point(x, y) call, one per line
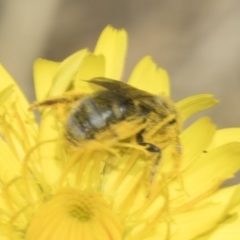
point(212, 168)
point(206, 215)
point(66, 72)
point(17, 123)
point(18, 127)
point(224, 136)
point(8, 85)
point(9, 164)
point(228, 196)
point(229, 226)
point(6, 93)
point(195, 139)
point(112, 44)
point(193, 223)
point(228, 230)
point(49, 148)
point(191, 105)
point(148, 77)
point(92, 66)
point(44, 72)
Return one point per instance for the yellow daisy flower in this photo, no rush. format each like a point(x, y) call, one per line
point(49, 191)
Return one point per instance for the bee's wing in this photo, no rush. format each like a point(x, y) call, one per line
point(123, 91)
point(119, 87)
point(108, 83)
point(158, 104)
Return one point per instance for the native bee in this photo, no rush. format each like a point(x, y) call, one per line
point(119, 112)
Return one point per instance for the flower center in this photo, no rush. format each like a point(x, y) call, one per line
point(82, 207)
point(72, 214)
point(81, 213)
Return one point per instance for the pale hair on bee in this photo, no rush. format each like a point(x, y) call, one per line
point(118, 112)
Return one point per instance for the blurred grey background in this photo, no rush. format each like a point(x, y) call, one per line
point(196, 41)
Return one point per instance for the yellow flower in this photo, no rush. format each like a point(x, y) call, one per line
point(51, 192)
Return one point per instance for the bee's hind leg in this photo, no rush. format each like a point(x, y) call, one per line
point(154, 149)
point(149, 146)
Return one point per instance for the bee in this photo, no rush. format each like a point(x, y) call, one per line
point(118, 112)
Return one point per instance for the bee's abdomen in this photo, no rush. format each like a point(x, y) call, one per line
point(94, 114)
point(84, 120)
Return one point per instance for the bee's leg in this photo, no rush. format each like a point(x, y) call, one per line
point(69, 98)
point(156, 162)
point(154, 149)
point(149, 146)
